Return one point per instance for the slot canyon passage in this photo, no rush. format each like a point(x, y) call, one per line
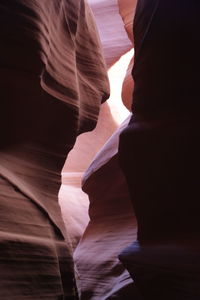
point(65, 64)
point(110, 225)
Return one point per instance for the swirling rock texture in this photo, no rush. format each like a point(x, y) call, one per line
point(53, 78)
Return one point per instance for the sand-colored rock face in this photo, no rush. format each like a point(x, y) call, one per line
point(127, 11)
